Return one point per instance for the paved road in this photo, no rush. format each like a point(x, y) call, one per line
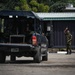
point(54, 59)
point(20, 69)
point(57, 64)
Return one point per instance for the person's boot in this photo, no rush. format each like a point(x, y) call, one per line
point(67, 52)
point(70, 52)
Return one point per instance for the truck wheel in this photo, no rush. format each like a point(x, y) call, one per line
point(45, 58)
point(37, 57)
point(2, 58)
point(13, 58)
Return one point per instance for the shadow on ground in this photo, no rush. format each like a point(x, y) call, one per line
point(20, 62)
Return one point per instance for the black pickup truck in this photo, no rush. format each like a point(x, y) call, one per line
point(21, 35)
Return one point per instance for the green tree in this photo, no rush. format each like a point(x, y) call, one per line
point(8, 4)
point(34, 9)
point(72, 2)
point(17, 8)
point(58, 7)
point(35, 6)
point(43, 8)
point(24, 5)
point(34, 3)
point(46, 8)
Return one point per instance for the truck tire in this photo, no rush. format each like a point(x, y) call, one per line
point(2, 58)
point(37, 57)
point(45, 58)
point(13, 58)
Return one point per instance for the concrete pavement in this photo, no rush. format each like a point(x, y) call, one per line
point(61, 60)
point(54, 60)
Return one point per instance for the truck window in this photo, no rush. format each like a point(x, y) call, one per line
point(16, 27)
point(1, 25)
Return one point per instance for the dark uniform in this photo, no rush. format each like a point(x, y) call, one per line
point(68, 40)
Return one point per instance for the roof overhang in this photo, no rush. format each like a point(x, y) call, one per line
point(56, 16)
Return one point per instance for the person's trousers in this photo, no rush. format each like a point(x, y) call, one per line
point(68, 49)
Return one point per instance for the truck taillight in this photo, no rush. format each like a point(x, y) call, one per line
point(34, 40)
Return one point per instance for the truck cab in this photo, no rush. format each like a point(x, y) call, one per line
point(21, 35)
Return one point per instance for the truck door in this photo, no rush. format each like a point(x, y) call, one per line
point(49, 34)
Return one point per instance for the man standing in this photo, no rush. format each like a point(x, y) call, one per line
point(68, 40)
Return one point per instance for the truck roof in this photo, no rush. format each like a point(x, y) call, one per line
point(28, 14)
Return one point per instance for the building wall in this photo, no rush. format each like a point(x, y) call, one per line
point(58, 32)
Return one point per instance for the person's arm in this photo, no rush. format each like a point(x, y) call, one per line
point(66, 29)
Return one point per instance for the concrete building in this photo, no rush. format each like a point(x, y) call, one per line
point(54, 24)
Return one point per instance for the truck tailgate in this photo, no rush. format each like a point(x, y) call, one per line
point(12, 47)
point(15, 45)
